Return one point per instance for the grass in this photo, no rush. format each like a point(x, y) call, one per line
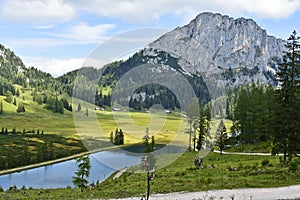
point(35, 118)
point(263, 147)
point(20, 150)
point(219, 172)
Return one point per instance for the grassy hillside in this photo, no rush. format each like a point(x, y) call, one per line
point(36, 117)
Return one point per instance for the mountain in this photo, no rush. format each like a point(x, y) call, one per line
point(219, 46)
point(212, 52)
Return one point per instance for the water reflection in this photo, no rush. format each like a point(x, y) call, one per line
point(60, 174)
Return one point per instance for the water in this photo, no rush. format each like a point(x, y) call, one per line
point(59, 175)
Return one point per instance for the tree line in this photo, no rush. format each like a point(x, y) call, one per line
point(264, 113)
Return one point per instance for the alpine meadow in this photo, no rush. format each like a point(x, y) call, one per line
point(209, 106)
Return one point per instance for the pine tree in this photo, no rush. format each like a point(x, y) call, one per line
point(221, 136)
point(15, 101)
point(79, 107)
point(240, 115)
point(14, 130)
point(87, 112)
point(121, 135)
point(83, 172)
point(287, 137)
point(203, 127)
point(21, 108)
point(1, 107)
point(111, 137)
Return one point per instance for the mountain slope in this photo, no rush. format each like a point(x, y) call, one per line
point(213, 44)
point(213, 52)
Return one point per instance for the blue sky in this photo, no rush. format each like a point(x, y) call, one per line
point(56, 36)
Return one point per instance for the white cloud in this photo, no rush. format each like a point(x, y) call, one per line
point(56, 67)
point(38, 12)
point(149, 10)
point(76, 35)
point(83, 33)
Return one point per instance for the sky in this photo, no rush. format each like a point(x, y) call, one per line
point(57, 36)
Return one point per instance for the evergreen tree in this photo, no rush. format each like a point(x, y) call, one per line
point(87, 112)
point(203, 127)
point(9, 97)
point(1, 107)
point(287, 137)
point(221, 136)
point(21, 108)
point(14, 130)
point(111, 137)
point(121, 135)
point(79, 107)
point(18, 92)
point(152, 143)
point(83, 172)
point(15, 101)
point(192, 113)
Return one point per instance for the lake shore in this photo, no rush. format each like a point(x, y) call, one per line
point(50, 162)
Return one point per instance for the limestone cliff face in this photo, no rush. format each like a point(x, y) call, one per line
point(214, 45)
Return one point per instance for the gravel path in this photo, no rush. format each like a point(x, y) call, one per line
point(290, 192)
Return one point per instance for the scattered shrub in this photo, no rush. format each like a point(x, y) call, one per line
point(294, 165)
point(265, 162)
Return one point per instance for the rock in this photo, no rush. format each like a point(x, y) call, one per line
point(212, 43)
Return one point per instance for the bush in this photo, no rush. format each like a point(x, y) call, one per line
point(294, 165)
point(265, 162)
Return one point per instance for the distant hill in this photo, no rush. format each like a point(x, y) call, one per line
point(17, 80)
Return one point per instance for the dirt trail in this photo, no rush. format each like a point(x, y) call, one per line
point(289, 192)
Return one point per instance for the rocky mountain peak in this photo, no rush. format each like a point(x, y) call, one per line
point(213, 43)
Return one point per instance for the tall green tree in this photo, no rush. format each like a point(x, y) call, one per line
point(79, 107)
point(82, 173)
point(287, 136)
point(1, 107)
point(203, 125)
point(192, 113)
point(221, 136)
point(15, 101)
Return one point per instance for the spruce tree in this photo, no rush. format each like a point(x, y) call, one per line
point(15, 101)
point(288, 75)
point(221, 136)
point(79, 107)
point(203, 125)
point(1, 107)
point(83, 172)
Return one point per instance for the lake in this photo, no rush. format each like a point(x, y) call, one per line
point(59, 175)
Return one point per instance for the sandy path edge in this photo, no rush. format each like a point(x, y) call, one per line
point(287, 192)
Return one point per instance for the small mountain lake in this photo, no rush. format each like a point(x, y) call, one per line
point(59, 175)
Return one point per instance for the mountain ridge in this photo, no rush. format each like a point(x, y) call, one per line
point(213, 41)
